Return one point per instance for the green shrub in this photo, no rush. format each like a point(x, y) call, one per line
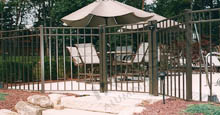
point(28, 69)
point(37, 72)
point(2, 96)
point(206, 109)
point(16, 69)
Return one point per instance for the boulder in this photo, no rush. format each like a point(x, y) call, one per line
point(40, 100)
point(7, 112)
point(56, 98)
point(68, 101)
point(25, 108)
point(58, 107)
point(131, 111)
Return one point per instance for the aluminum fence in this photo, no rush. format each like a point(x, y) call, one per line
point(20, 59)
point(189, 45)
point(118, 58)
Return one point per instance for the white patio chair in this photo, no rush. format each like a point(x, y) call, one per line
point(123, 53)
point(90, 60)
point(140, 57)
point(88, 53)
point(75, 55)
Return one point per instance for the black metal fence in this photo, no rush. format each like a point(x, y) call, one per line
point(117, 58)
point(20, 59)
point(71, 58)
point(189, 46)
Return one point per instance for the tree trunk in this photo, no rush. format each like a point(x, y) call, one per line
point(143, 4)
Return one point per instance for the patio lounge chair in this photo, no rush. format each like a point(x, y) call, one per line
point(75, 55)
point(90, 61)
point(123, 53)
point(129, 58)
point(82, 60)
point(136, 60)
point(76, 58)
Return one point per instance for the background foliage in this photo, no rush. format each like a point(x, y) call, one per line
point(18, 13)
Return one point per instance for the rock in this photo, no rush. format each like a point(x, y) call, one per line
point(25, 108)
point(68, 101)
point(7, 112)
point(56, 98)
point(138, 109)
point(39, 100)
point(131, 111)
point(58, 107)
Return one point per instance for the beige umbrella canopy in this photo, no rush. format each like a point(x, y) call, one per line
point(164, 23)
point(109, 12)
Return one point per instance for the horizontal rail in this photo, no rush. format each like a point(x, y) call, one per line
point(26, 36)
point(204, 21)
point(19, 30)
point(71, 28)
point(205, 10)
point(129, 32)
point(71, 34)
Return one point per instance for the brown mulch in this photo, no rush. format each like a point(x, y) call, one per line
point(14, 96)
point(17, 95)
point(172, 107)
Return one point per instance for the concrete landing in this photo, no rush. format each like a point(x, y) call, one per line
point(72, 112)
point(111, 103)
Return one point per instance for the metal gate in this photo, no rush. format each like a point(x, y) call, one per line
point(127, 57)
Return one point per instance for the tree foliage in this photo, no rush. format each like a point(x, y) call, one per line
point(1, 6)
point(134, 3)
point(169, 8)
point(14, 13)
point(49, 12)
point(204, 4)
point(62, 8)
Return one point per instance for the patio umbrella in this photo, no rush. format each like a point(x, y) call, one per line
point(109, 12)
point(164, 23)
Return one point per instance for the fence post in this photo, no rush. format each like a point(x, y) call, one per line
point(2, 55)
point(188, 20)
point(42, 58)
point(153, 60)
point(1, 20)
point(103, 62)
